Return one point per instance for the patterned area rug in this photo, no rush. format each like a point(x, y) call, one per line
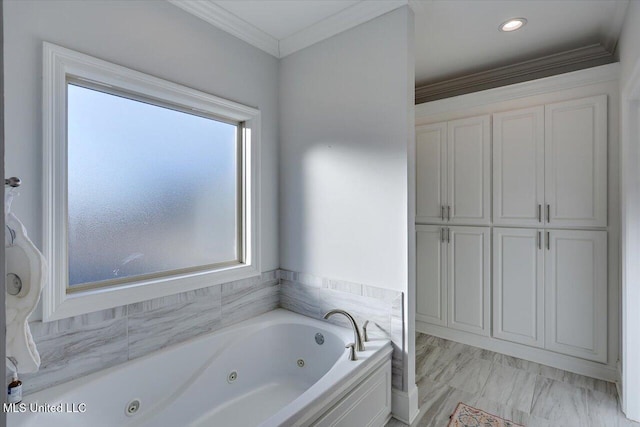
point(466, 416)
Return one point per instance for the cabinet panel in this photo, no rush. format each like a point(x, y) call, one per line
point(576, 162)
point(431, 155)
point(518, 280)
point(518, 167)
point(468, 278)
point(576, 293)
point(468, 175)
point(431, 291)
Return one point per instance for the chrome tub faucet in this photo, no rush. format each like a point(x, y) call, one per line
point(357, 336)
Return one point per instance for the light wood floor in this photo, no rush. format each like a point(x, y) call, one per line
point(524, 392)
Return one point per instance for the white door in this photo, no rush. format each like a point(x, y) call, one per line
point(518, 280)
point(468, 278)
point(468, 170)
point(431, 291)
point(576, 293)
point(431, 175)
point(518, 167)
point(576, 162)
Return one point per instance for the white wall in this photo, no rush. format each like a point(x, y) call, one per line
point(346, 135)
point(154, 37)
point(343, 175)
point(629, 56)
point(627, 49)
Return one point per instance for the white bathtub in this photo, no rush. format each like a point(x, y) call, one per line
point(191, 384)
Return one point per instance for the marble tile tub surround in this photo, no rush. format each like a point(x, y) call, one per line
point(77, 346)
point(525, 392)
point(313, 296)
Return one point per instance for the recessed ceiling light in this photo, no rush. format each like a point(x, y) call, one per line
point(512, 24)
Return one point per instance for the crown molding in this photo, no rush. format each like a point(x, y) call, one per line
point(359, 13)
point(569, 80)
point(563, 62)
point(344, 20)
point(227, 21)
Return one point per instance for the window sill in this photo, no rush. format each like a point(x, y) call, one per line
point(63, 305)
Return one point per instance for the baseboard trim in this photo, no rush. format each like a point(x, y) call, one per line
point(404, 405)
point(538, 355)
point(619, 387)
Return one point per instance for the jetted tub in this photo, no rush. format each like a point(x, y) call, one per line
point(277, 369)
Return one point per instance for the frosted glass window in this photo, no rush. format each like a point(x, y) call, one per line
point(151, 190)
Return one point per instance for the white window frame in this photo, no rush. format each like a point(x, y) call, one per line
point(60, 63)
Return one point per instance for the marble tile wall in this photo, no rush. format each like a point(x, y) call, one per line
point(77, 346)
point(313, 296)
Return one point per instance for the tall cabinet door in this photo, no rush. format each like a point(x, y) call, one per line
point(518, 167)
point(468, 278)
point(576, 293)
point(468, 170)
point(431, 162)
point(518, 285)
point(576, 162)
point(431, 291)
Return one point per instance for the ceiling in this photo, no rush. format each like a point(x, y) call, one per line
point(453, 37)
point(281, 27)
point(283, 18)
point(460, 37)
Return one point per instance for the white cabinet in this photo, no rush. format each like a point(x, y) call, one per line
point(550, 165)
point(431, 175)
point(576, 162)
point(550, 170)
point(453, 273)
point(468, 273)
point(518, 285)
point(431, 290)
point(453, 172)
point(518, 167)
point(576, 293)
point(556, 278)
point(517, 247)
point(468, 170)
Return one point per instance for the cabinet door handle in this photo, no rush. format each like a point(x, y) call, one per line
point(539, 213)
point(448, 235)
point(539, 239)
point(448, 213)
point(548, 212)
point(442, 212)
point(548, 242)
point(442, 234)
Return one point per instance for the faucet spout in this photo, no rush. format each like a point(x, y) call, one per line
point(357, 336)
